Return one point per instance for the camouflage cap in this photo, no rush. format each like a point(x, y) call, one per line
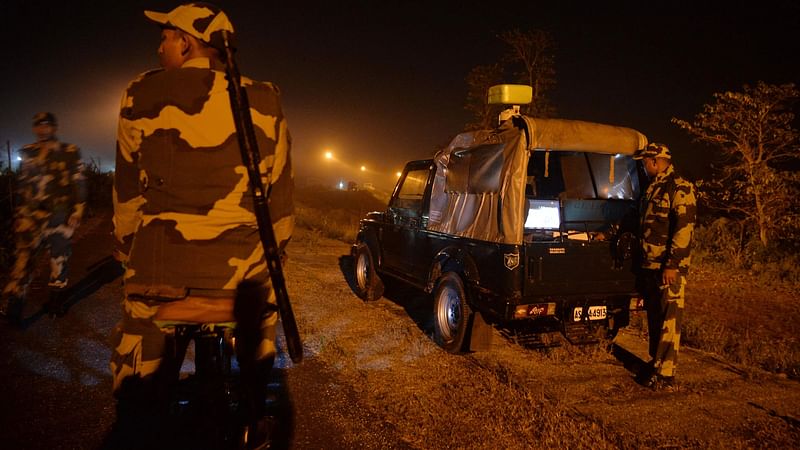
point(653, 150)
point(44, 118)
point(201, 20)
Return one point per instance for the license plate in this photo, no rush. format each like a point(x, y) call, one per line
point(595, 313)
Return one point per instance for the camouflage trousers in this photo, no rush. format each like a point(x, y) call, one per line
point(139, 343)
point(664, 316)
point(35, 229)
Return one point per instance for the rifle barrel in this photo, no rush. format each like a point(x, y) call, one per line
point(248, 146)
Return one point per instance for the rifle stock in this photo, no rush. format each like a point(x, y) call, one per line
point(248, 146)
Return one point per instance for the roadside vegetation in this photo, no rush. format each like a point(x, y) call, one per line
point(743, 299)
point(334, 213)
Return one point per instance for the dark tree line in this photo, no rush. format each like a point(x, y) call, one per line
point(755, 188)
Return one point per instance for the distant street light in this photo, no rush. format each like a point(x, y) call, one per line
point(329, 155)
point(363, 168)
point(399, 174)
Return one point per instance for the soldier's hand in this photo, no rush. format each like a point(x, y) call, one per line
point(669, 276)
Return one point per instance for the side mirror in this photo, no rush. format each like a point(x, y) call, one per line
point(510, 94)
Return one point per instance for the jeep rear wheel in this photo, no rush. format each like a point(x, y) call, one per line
point(452, 314)
point(368, 284)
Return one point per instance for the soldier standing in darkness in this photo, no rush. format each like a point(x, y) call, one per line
point(183, 212)
point(52, 197)
point(668, 211)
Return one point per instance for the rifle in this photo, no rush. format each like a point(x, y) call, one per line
point(251, 158)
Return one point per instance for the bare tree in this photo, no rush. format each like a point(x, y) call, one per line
point(479, 80)
point(754, 133)
point(531, 56)
point(529, 59)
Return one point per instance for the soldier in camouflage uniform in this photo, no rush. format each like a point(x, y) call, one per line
point(52, 197)
point(668, 211)
point(183, 214)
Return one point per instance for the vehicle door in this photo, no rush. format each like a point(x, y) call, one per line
point(406, 218)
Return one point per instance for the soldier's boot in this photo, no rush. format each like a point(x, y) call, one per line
point(11, 309)
point(658, 382)
point(650, 378)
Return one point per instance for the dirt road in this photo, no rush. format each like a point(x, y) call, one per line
point(373, 378)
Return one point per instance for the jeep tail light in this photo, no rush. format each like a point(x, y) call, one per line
point(637, 303)
point(535, 310)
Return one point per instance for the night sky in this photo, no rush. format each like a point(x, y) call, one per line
point(382, 82)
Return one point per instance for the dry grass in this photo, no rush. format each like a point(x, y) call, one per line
point(759, 329)
point(332, 213)
point(730, 314)
point(334, 224)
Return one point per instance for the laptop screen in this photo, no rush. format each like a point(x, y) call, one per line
point(543, 214)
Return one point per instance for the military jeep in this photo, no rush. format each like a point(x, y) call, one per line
point(530, 226)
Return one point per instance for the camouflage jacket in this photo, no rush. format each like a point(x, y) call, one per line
point(669, 208)
point(51, 178)
point(183, 211)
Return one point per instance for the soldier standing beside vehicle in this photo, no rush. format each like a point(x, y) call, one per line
point(52, 196)
point(183, 213)
point(668, 212)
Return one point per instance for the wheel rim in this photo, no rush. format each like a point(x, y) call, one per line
point(448, 312)
point(362, 271)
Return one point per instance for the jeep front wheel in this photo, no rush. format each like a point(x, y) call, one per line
point(368, 284)
point(452, 314)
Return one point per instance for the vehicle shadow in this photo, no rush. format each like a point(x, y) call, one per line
point(630, 361)
point(415, 303)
